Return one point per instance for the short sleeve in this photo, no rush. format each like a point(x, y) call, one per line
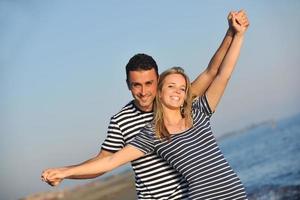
point(201, 103)
point(114, 140)
point(144, 141)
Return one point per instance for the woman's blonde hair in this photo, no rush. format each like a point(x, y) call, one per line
point(186, 109)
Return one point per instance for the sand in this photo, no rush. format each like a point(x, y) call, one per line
point(116, 187)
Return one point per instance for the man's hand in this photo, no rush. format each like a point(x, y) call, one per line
point(238, 21)
point(53, 176)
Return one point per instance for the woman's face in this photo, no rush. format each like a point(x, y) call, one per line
point(173, 91)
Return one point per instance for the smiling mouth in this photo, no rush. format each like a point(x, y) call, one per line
point(175, 98)
point(144, 98)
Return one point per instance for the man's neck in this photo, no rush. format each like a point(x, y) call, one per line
point(144, 108)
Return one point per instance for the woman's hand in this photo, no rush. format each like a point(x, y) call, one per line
point(238, 22)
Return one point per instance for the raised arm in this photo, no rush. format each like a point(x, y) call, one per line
point(202, 82)
point(216, 89)
point(95, 166)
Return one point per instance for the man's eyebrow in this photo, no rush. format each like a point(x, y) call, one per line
point(151, 81)
point(135, 83)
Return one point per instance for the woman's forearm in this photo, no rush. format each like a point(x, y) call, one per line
point(231, 57)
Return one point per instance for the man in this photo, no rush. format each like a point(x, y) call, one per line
point(155, 178)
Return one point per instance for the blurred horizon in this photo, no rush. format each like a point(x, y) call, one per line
point(265, 163)
point(62, 72)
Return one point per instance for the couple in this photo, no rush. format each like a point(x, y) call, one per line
point(173, 152)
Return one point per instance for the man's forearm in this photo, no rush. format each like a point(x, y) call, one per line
point(218, 57)
point(101, 154)
point(202, 82)
point(90, 176)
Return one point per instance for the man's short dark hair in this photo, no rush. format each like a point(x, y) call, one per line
point(140, 62)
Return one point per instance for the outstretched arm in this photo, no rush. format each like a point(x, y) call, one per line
point(100, 155)
point(216, 89)
point(92, 167)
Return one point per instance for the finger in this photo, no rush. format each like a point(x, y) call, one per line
point(54, 176)
point(246, 24)
point(50, 183)
point(242, 20)
point(44, 176)
point(233, 15)
point(235, 24)
point(240, 14)
point(229, 15)
point(51, 176)
point(242, 11)
point(234, 20)
point(241, 17)
point(54, 182)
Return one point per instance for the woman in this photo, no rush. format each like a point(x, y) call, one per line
point(181, 134)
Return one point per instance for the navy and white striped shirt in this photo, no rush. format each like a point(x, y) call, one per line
point(196, 155)
point(154, 177)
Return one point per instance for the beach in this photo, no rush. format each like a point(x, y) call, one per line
point(265, 156)
point(116, 187)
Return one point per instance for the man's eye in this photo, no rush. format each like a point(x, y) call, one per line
point(135, 85)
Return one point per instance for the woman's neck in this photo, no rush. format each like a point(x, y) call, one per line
point(172, 116)
point(174, 121)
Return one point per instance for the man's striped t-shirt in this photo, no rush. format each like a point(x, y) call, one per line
point(154, 177)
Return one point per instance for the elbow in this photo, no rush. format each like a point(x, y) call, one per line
point(97, 175)
point(109, 165)
point(212, 72)
point(224, 78)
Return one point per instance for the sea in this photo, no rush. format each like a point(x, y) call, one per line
point(266, 157)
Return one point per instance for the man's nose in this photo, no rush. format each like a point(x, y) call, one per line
point(143, 90)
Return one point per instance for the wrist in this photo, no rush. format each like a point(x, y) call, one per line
point(68, 172)
point(230, 32)
point(239, 34)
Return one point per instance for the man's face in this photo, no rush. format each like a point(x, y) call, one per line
point(143, 86)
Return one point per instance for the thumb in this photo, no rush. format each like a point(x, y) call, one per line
point(234, 19)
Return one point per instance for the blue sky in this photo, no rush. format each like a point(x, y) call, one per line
point(62, 72)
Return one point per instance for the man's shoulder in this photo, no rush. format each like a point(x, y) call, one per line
point(127, 109)
point(130, 116)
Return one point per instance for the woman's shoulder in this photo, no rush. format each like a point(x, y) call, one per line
point(200, 104)
point(148, 129)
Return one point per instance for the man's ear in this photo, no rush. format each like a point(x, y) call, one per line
point(128, 84)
